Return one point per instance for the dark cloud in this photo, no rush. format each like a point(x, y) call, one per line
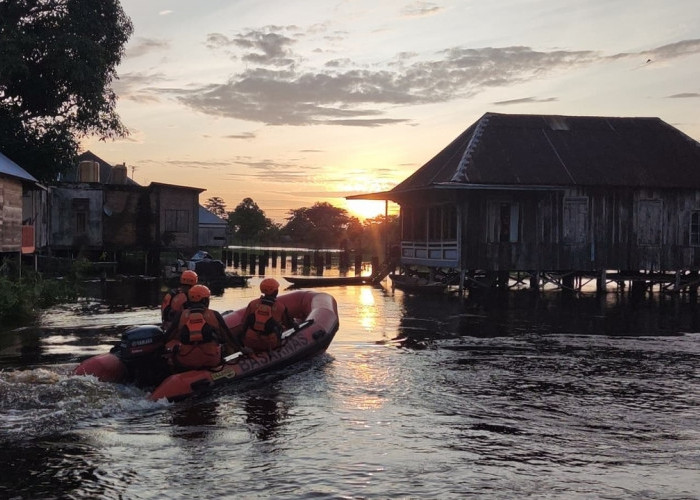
point(144, 46)
point(358, 96)
point(274, 90)
point(525, 100)
point(267, 46)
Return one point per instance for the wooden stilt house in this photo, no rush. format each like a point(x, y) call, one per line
point(553, 197)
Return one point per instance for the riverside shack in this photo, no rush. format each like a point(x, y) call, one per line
point(556, 199)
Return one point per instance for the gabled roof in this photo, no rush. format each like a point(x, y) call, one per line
point(552, 150)
point(210, 219)
point(8, 167)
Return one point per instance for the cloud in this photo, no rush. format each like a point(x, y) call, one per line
point(144, 46)
point(685, 95)
point(244, 135)
point(139, 87)
point(673, 50)
point(525, 100)
point(268, 170)
point(278, 87)
point(420, 9)
point(352, 96)
point(265, 46)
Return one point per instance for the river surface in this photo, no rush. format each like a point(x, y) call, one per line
point(526, 396)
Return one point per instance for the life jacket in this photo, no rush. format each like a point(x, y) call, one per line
point(173, 302)
point(197, 346)
point(265, 325)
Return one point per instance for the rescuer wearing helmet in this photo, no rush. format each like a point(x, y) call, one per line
point(174, 300)
point(265, 319)
point(195, 337)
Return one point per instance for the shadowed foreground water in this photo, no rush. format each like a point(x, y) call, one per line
point(417, 397)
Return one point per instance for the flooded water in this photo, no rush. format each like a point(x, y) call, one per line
point(417, 397)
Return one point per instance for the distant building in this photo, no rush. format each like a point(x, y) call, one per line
point(555, 196)
point(22, 209)
point(98, 209)
point(212, 229)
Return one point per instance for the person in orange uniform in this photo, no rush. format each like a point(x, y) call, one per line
point(174, 301)
point(195, 337)
point(265, 319)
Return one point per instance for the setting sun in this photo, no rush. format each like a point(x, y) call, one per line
point(365, 209)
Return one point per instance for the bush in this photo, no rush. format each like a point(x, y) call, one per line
point(23, 299)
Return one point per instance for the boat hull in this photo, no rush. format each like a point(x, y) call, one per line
point(318, 311)
point(316, 282)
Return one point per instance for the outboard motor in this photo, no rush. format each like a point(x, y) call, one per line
point(141, 349)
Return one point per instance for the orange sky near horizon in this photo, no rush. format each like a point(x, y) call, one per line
point(291, 106)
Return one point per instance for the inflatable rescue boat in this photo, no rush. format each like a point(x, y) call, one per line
point(139, 357)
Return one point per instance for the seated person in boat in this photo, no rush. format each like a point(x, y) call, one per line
point(174, 300)
point(265, 320)
point(194, 338)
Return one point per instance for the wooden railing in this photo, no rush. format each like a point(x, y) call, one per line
point(430, 253)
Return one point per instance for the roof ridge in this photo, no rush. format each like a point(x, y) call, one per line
point(460, 174)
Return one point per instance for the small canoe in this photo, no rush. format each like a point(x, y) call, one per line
point(138, 358)
point(320, 281)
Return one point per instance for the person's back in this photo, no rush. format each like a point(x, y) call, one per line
point(194, 338)
point(265, 319)
point(174, 301)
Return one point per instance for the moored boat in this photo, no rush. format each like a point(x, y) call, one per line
point(320, 281)
point(415, 284)
point(139, 359)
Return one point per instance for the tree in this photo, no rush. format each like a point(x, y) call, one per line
point(248, 222)
point(216, 206)
point(322, 225)
point(58, 60)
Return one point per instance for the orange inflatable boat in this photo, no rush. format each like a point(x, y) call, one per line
point(139, 356)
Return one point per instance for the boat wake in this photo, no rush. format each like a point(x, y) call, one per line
point(41, 402)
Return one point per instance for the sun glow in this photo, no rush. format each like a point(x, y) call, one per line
point(365, 209)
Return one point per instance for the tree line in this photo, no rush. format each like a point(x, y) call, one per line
point(321, 225)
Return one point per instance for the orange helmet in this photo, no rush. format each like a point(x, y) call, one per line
point(269, 286)
point(198, 293)
point(188, 278)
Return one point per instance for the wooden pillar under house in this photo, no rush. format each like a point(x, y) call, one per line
point(251, 262)
point(358, 264)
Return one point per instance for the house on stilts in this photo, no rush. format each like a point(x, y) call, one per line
point(545, 200)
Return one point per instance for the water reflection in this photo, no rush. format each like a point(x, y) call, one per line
point(193, 421)
point(265, 414)
point(525, 313)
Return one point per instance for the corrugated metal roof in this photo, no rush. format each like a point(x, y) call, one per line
point(8, 167)
point(549, 150)
point(206, 217)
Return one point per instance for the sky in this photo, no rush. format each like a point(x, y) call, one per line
point(294, 102)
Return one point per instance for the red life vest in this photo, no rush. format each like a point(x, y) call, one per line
point(265, 325)
point(198, 346)
point(173, 303)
